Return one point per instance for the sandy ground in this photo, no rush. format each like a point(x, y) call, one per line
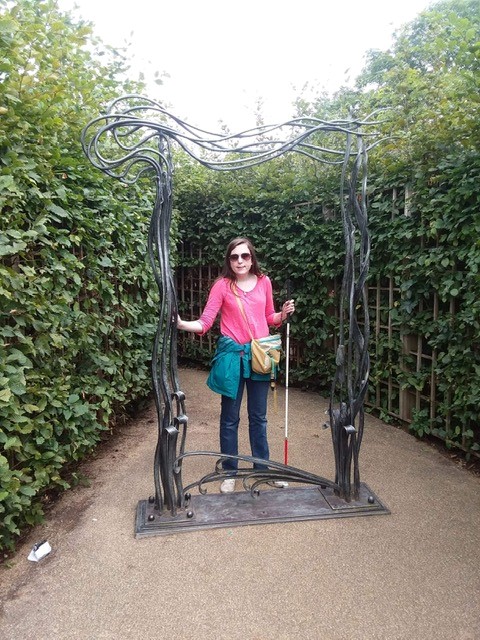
point(410, 575)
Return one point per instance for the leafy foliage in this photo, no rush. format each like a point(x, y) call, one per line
point(77, 301)
point(77, 310)
point(425, 238)
point(269, 206)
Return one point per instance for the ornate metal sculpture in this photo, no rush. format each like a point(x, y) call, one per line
point(134, 138)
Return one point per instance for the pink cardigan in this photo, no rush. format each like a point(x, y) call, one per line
point(258, 305)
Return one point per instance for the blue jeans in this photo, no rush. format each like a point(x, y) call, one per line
point(257, 396)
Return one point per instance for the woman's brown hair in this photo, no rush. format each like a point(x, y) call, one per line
point(227, 271)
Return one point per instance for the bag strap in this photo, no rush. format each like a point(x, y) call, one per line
point(242, 309)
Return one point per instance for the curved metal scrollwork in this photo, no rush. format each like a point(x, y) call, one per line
point(133, 138)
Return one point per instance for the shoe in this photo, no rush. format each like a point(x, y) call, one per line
point(228, 486)
point(281, 484)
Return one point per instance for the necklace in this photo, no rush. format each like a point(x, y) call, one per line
point(249, 285)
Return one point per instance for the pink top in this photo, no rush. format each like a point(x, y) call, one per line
point(257, 303)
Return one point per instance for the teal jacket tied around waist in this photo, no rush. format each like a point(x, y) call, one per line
point(224, 375)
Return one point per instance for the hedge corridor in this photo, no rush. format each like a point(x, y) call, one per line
point(78, 304)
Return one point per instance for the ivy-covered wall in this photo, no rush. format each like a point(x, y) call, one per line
point(433, 256)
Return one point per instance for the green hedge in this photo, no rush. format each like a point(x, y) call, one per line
point(435, 253)
point(428, 83)
point(77, 312)
point(77, 308)
point(433, 249)
point(293, 219)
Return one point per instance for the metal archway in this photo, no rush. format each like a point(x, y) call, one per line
point(134, 138)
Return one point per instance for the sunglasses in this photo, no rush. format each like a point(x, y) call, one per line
point(235, 257)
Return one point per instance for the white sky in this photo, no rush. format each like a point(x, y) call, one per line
point(223, 56)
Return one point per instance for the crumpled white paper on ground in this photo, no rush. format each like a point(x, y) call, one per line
point(39, 551)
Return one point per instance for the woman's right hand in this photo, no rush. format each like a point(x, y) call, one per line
point(194, 326)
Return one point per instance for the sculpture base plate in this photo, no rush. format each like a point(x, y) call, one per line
point(217, 510)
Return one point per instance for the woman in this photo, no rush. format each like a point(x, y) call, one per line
point(242, 294)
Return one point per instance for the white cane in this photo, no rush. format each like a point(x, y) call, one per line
point(287, 370)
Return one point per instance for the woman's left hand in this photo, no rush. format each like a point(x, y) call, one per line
point(288, 308)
